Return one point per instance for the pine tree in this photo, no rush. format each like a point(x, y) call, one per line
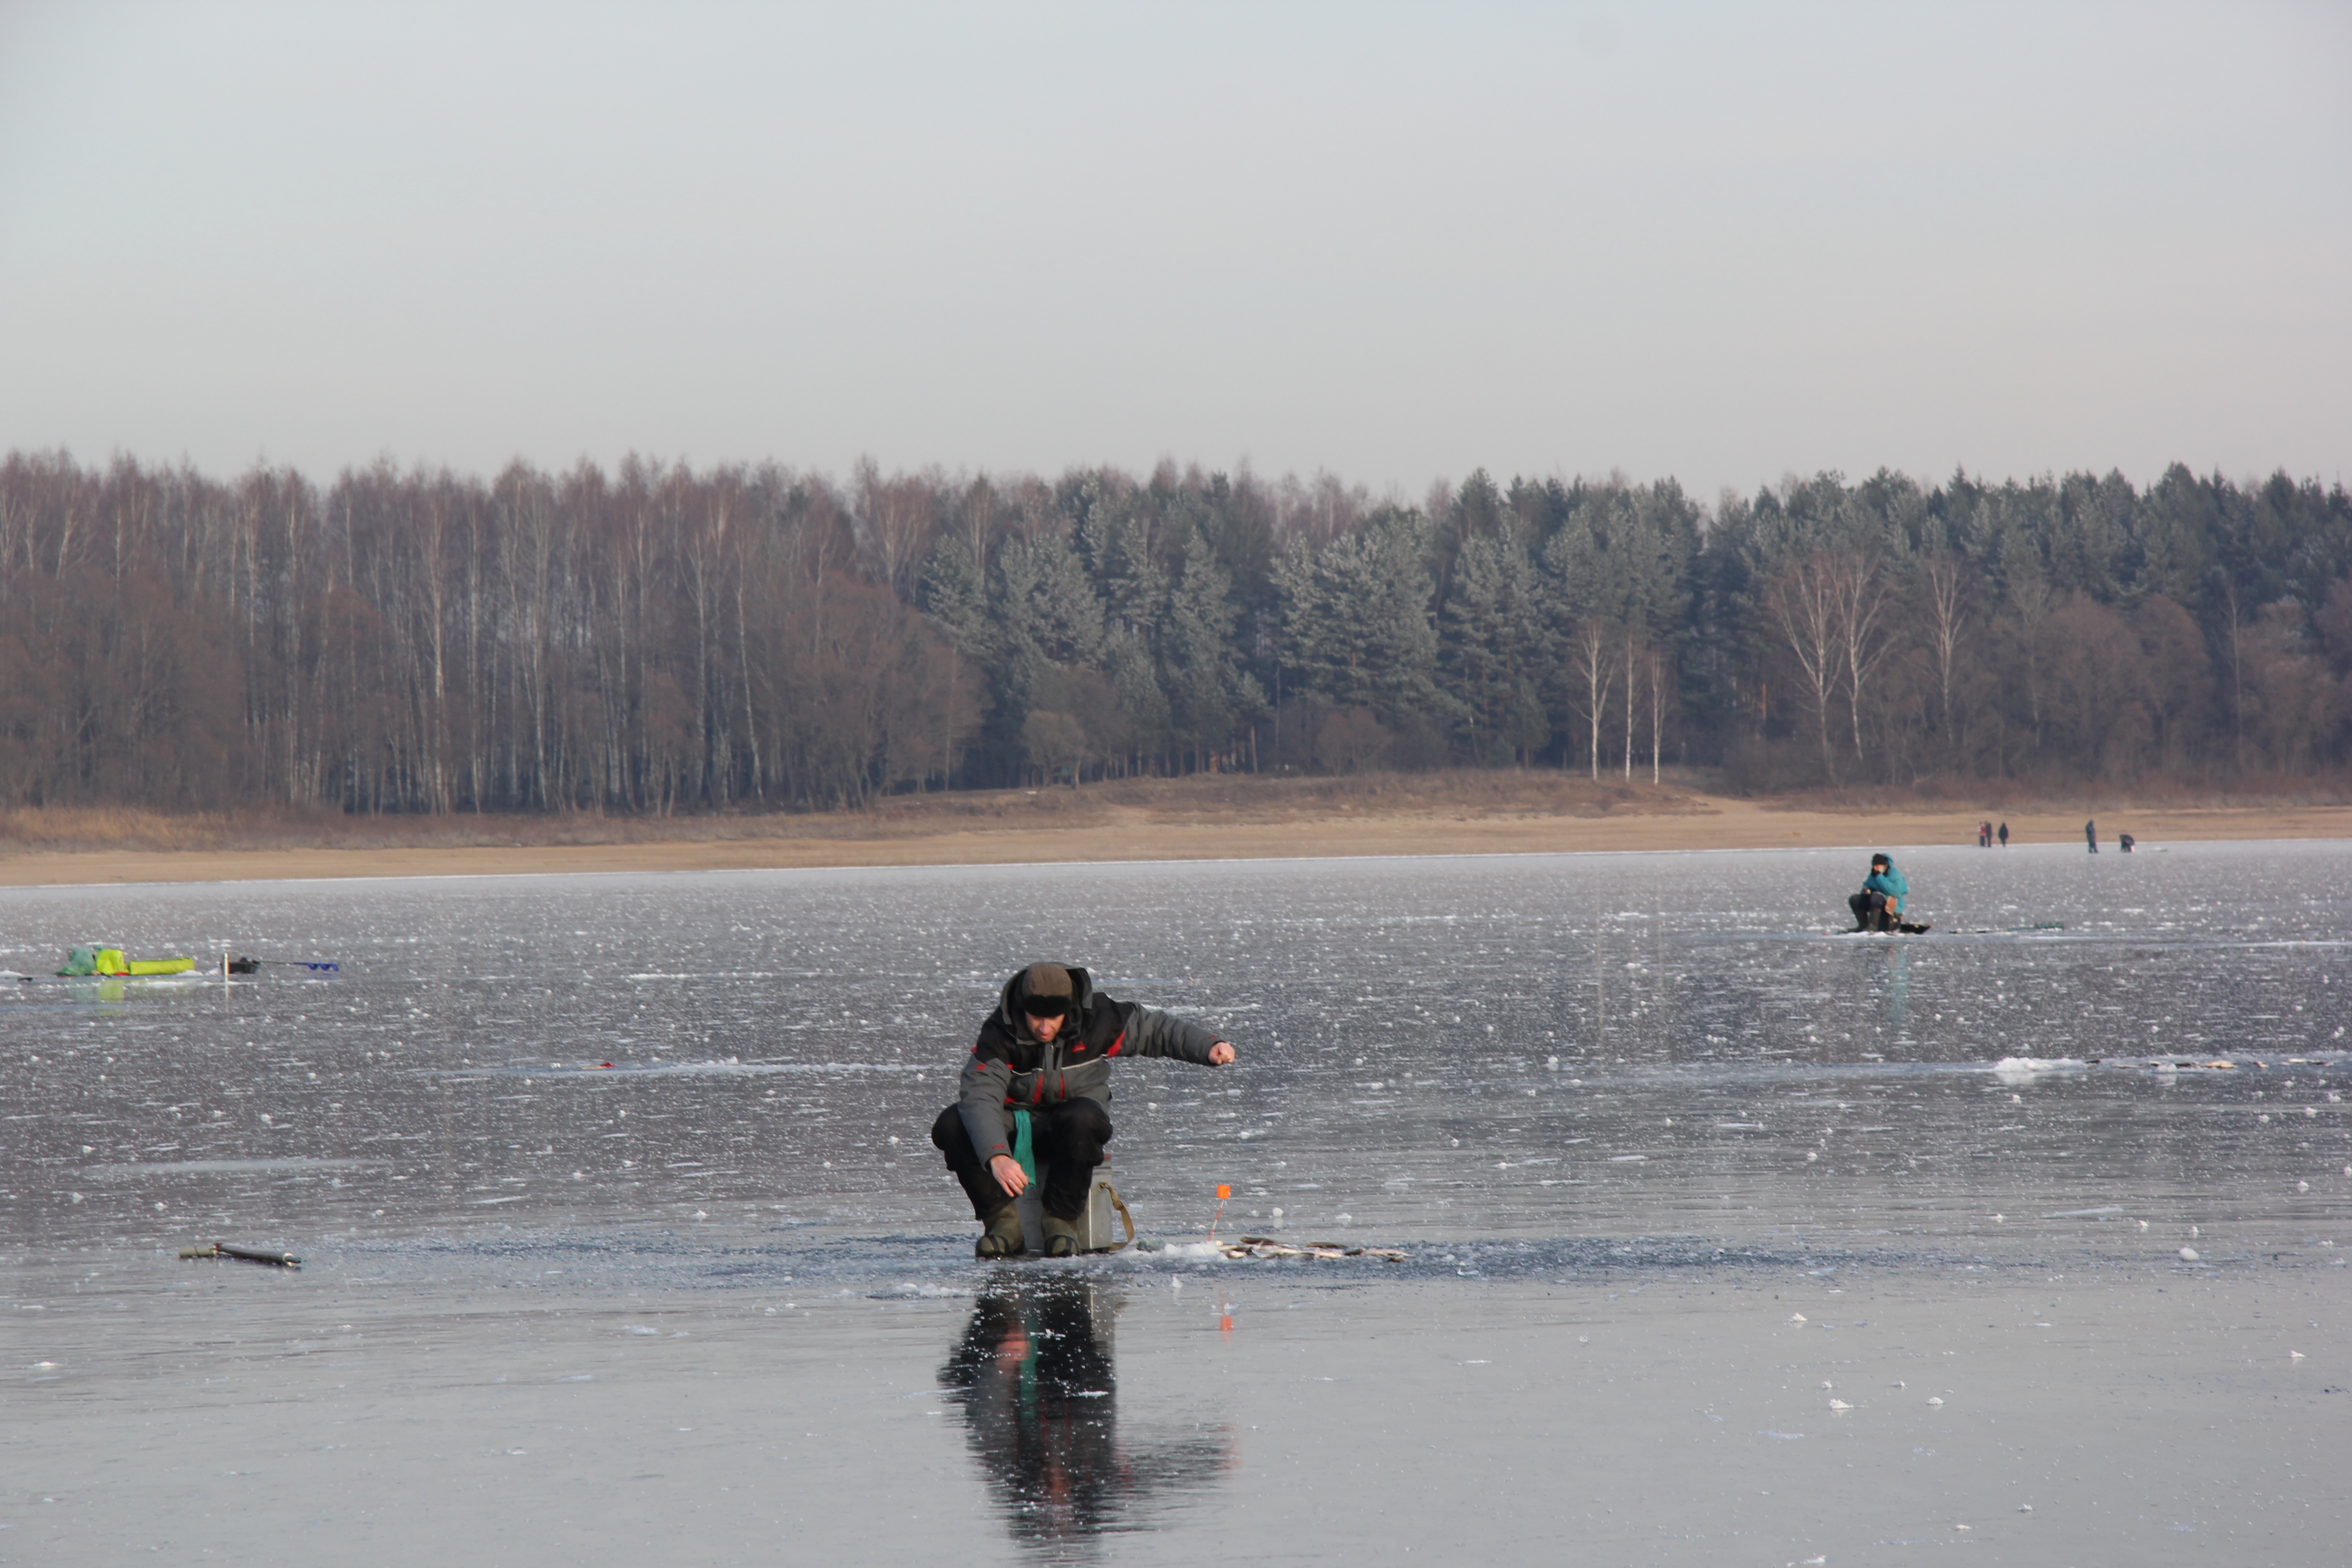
point(1491, 649)
point(1357, 628)
point(1208, 690)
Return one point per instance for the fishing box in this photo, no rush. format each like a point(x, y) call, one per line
point(1100, 1223)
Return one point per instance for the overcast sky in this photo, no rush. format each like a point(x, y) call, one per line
point(1722, 243)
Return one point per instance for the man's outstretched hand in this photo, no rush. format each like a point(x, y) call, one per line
point(1009, 1174)
point(1221, 1053)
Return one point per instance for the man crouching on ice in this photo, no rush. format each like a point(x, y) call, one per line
point(1046, 1049)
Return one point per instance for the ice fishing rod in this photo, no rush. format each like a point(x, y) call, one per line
point(246, 1254)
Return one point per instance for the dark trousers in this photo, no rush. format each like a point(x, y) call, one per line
point(1870, 911)
point(1068, 1136)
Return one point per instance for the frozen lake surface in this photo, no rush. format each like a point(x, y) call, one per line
point(1733, 1239)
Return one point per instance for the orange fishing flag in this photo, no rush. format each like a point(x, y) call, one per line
point(1224, 1190)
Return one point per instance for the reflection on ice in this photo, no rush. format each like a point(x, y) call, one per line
point(1034, 1372)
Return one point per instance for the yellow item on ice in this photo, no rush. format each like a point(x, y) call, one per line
point(109, 962)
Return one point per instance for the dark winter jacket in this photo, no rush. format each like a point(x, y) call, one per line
point(1008, 1068)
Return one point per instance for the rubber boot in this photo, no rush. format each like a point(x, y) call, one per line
point(1003, 1236)
point(1061, 1237)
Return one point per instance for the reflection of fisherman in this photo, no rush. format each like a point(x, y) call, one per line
point(1034, 1372)
point(1898, 983)
point(1046, 1050)
point(1879, 905)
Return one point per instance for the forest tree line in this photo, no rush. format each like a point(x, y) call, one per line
point(660, 638)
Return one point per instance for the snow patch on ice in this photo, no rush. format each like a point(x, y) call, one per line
point(2025, 1069)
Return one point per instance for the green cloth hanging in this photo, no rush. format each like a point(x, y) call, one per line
point(1025, 1151)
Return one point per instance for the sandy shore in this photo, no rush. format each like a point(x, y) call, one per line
point(1676, 821)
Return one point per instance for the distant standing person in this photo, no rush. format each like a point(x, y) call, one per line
point(2091, 835)
point(2004, 836)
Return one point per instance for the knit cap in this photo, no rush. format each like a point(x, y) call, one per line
point(1046, 980)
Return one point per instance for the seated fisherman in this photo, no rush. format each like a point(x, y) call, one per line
point(1879, 905)
point(1046, 1049)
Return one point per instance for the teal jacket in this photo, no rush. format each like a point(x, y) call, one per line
point(1889, 881)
